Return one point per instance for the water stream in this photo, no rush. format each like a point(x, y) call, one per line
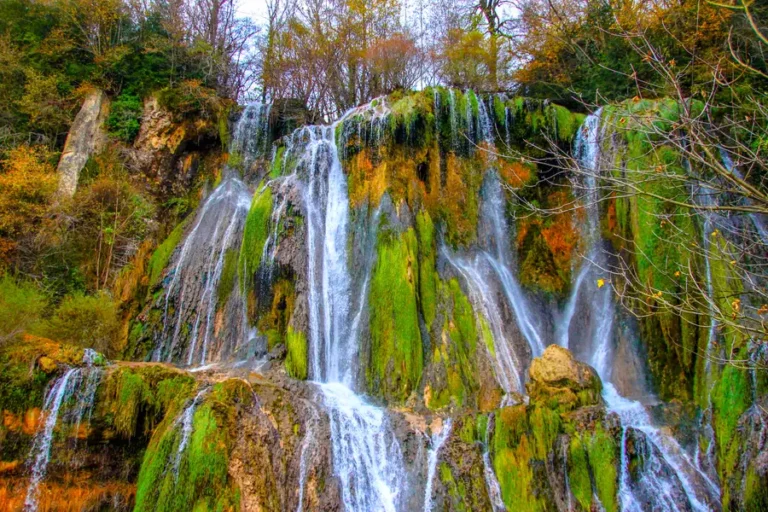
point(437, 441)
point(660, 452)
point(70, 397)
point(190, 333)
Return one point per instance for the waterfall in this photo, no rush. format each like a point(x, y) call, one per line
point(190, 335)
point(191, 297)
point(308, 442)
point(327, 217)
point(660, 449)
point(758, 220)
point(436, 442)
point(491, 482)
point(251, 136)
point(55, 406)
point(366, 455)
point(487, 266)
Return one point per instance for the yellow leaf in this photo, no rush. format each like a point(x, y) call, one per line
point(600, 283)
point(677, 274)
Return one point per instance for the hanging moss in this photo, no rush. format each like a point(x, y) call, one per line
point(277, 163)
point(454, 375)
point(227, 279)
point(255, 234)
point(274, 319)
point(135, 398)
point(396, 359)
point(296, 360)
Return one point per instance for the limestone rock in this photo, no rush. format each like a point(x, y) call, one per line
point(560, 381)
point(171, 153)
point(86, 137)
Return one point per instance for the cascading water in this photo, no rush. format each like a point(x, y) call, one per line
point(437, 441)
point(491, 482)
point(490, 266)
point(190, 333)
point(80, 383)
point(186, 423)
point(251, 135)
point(652, 481)
point(366, 455)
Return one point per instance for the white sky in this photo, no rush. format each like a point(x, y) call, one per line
point(254, 9)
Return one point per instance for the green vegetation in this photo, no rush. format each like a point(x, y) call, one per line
point(162, 255)
point(88, 321)
point(198, 479)
point(297, 360)
point(396, 359)
point(255, 235)
point(125, 117)
point(21, 306)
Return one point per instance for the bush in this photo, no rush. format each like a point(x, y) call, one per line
point(190, 99)
point(27, 184)
point(124, 117)
point(21, 306)
point(86, 321)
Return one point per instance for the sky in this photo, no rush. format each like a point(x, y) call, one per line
point(254, 9)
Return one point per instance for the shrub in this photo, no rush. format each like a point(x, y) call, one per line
point(21, 306)
point(86, 321)
point(190, 99)
point(124, 117)
point(27, 184)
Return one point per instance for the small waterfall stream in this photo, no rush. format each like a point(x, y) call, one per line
point(79, 384)
point(686, 481)
point(491, 482)
point(437, 441)
point(186, 423)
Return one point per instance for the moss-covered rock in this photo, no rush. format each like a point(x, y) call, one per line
point(396, 354)
point(561, 382)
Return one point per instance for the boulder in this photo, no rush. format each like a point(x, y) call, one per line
point(86, 137)
point(560, 381)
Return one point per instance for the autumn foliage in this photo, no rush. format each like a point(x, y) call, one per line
point(27, 185)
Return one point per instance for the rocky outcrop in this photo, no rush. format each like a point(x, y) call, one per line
point(86, 137)
point(174, 153)
point(561, 381)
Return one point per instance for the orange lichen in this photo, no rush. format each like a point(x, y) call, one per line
point(75, 495)
point(515, 174)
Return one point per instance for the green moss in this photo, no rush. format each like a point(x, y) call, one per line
point(578, 473)
point(134, 399)
point(277, 163)
point(197, 478)
point(485, 330)
point(565, 122)
point(427, 274)
point(159, 259)
point(255, 234)
point(396, 359)
point(227, 279)
point(603, 456)
point(296, 361)
point(545, 425)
